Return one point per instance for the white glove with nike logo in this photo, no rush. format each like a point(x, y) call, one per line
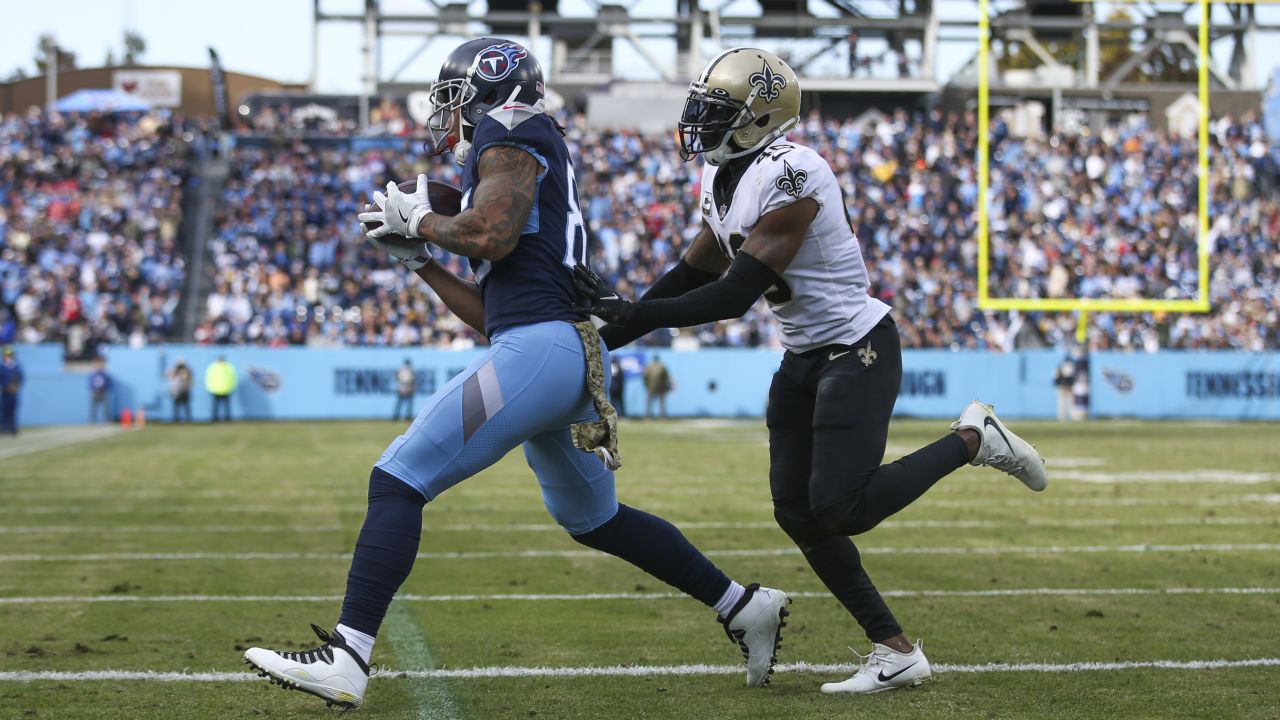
point(400, 214)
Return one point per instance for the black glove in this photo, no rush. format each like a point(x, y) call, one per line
point(599, 298)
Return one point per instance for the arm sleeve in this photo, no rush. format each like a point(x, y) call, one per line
point(729, 297)
point(677, 281)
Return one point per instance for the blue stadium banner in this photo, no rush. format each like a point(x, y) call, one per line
point(359, 383)
point(1186, 384)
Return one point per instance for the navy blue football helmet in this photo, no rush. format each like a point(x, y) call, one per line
point(479, 75)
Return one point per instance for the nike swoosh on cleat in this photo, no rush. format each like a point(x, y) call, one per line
point(887, 678)
point(836, 355)
point(990, 422)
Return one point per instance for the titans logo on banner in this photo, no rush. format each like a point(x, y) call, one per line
point(496, 62)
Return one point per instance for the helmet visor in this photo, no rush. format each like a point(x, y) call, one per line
point(706, 121)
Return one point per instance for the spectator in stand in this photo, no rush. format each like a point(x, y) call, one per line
point(1064, 378)
point(180, 390)
point(89, 216)
point(220, 381)
point(406, 384)
point(11, 379)
point(617, 387)
point(657, 384)
point(99, 392)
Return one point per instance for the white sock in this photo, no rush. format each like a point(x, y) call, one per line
point(360, 642)
point(730, 598)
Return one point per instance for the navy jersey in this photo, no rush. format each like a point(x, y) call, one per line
point(534, 283)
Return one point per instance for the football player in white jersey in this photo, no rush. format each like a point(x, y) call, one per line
point(775, 224)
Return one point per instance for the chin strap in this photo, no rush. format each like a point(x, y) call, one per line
point(461, 150)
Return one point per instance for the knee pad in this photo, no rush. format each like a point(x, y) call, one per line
point(799, 524)
point(845, 515)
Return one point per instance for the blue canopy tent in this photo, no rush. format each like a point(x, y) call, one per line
point(101, 101)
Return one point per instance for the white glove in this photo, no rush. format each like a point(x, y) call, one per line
point(412, 256)
point(399, 214)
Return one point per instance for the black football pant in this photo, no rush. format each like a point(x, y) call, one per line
point(828, 420)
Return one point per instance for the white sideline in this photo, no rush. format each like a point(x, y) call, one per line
point(582, 597)
point(761, 552)
point(552, 527)
point(638, 671)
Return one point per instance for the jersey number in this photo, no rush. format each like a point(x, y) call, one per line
point(575, 233)
point(776, 295)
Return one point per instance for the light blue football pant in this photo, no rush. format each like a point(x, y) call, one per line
point(528, 388)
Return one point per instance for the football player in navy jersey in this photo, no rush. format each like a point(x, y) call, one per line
point(521, 228)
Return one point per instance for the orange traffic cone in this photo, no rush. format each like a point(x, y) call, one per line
point(142, 418)
point(126, 418)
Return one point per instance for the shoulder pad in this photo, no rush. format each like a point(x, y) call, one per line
point(789, 171)
point(511, 114)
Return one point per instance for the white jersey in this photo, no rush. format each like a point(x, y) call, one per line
point(823, 299)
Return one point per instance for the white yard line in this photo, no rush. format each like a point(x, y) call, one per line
point(1218, 477)
point(750, 552)
point(689, 485)
point(205, 509)
point(637, 671)
point(108, 530)
point(597, 597)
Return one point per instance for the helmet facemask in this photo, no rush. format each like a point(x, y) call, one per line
point(447, 126)
point(709, 122)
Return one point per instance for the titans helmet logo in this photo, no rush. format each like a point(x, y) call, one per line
point(496, 62)
point(768, 83)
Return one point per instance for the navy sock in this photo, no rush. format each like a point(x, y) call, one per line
point(657, 547)
point(385, 551)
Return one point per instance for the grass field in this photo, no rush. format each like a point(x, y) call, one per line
point(170, 549)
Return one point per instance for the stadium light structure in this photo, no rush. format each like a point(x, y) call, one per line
point(815, 35)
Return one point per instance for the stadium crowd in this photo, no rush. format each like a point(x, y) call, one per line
point(1107, 215)
point(90, 208)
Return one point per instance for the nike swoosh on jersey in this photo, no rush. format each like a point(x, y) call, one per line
point(887, 678)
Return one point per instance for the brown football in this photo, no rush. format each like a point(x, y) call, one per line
point(445, 199)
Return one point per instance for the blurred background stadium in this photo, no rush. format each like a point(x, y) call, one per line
point(149, 207)
point(157, 159)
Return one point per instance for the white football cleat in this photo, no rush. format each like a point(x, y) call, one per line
point(333, 672)
point(1001, 449)
point(755, 625)
point(885, 669)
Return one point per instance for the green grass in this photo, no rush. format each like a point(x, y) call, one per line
point(282, 488)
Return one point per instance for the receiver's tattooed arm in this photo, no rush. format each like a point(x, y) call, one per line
point(502, 201)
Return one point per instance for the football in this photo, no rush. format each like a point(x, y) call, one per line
point(445, 199)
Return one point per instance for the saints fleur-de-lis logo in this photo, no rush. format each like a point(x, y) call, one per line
point(867, 355)
point(768, 82)
point(791, 181)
